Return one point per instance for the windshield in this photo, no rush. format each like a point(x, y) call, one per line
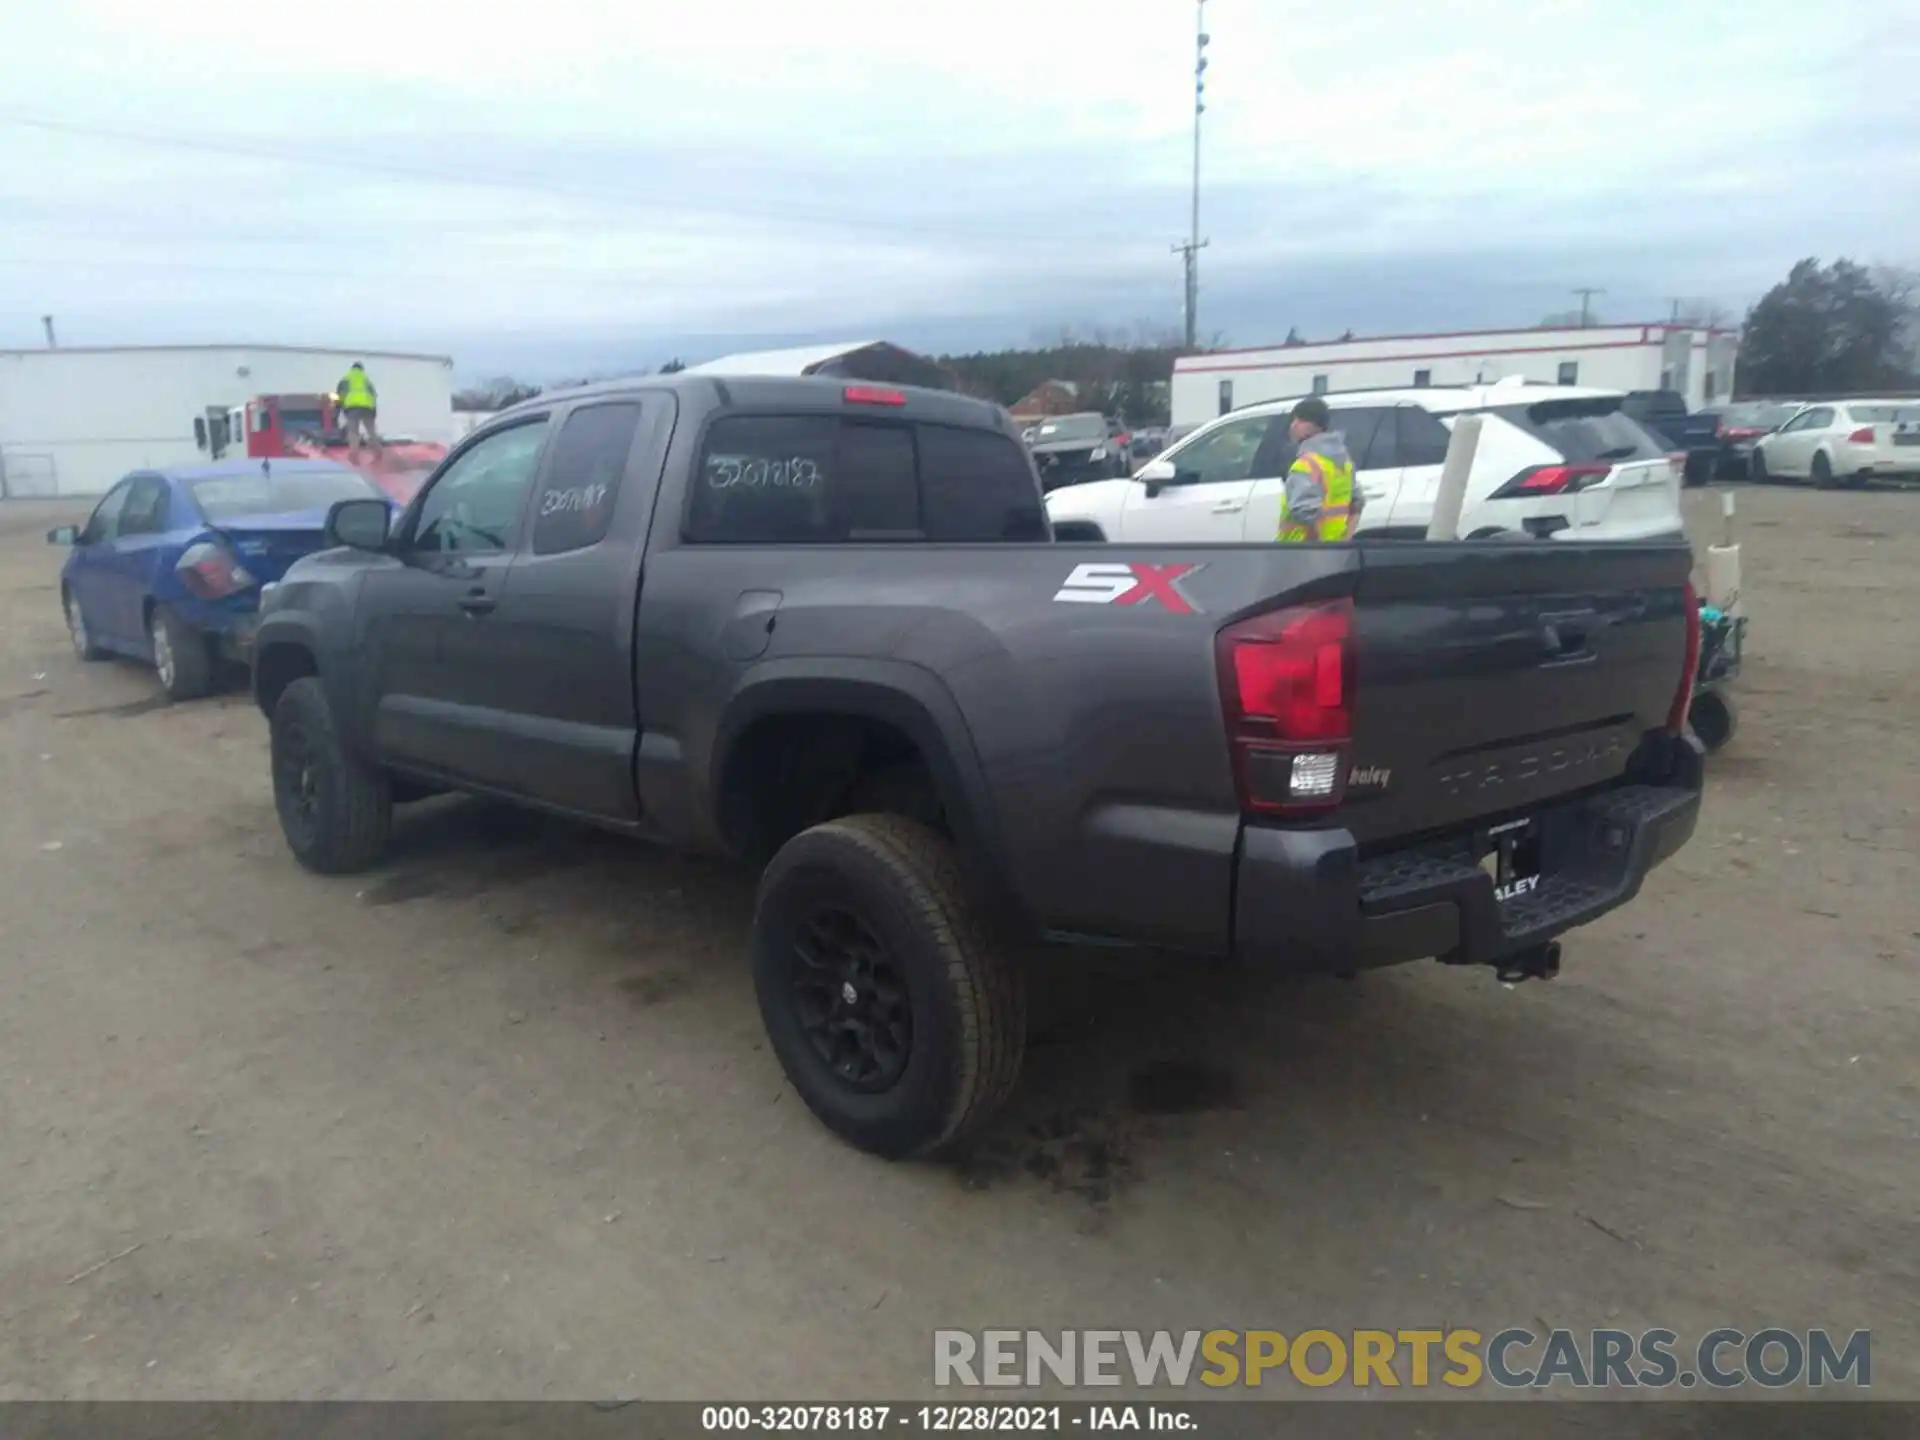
point(1765, 416)
point(231, 496)
point(301, 418)
point(1070, 427)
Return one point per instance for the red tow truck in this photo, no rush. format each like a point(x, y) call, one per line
point(309, 427)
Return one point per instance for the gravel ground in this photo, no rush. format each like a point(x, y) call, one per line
point(498, 1122)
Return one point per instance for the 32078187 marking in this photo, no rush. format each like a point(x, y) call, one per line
point(925, 1419)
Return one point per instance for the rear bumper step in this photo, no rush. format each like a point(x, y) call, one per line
point(1306, 901)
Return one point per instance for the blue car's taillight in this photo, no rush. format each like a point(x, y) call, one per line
point(210, 571)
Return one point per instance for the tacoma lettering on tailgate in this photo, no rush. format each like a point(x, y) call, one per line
point(1561, 758)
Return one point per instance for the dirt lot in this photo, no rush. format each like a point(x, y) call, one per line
point(498, 1120)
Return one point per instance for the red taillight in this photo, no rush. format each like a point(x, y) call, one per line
point(872, 395)
point(1862, 436)
point(1286, 685)
point(1740, 432)
point(1552, 480)
point(1683, 697)
point(211, 572)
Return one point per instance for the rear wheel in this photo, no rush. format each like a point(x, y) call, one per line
point(181, 656)
point(893, 1010)
point(335, 811)
point(77, 631)
point(1822, 472)
point(1713, 718)
point(1757, 466)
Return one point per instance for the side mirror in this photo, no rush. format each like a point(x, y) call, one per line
point(360, 524)
point(1156, 475)
point(64, 535)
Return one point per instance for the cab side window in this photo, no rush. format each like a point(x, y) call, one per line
point(582, 481)
point(476, 505)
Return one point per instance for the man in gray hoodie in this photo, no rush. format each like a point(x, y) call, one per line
point(1322, 502)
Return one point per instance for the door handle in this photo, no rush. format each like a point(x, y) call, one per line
point(1229, 507)
point(477, 602)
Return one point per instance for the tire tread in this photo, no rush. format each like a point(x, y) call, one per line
point(358, 826)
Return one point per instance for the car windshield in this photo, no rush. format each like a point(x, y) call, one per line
point(229, 496)
point(1070, 427)
point(1760, 417)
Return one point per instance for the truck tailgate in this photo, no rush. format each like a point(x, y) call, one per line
point(1508, 675)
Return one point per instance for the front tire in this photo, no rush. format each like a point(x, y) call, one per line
point(181, 656)
point(335, 811)
point(891, 1007)
point(1757, 467)
point(77, 631)
point(1822, 472)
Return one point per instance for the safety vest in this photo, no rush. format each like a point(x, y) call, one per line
point(1336, 500)
point(356, 391)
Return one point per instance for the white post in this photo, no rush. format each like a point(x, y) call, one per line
point(1445, 524)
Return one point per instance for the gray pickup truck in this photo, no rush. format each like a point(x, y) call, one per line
point(823, 627)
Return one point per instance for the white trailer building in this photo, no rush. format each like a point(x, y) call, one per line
point(73, 421)
point(1697, 362)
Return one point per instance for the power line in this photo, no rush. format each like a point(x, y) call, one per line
point(1046, 226)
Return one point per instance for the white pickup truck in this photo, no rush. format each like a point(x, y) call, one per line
point(1553, 460)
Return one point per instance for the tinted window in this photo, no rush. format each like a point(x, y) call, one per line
point(583, 478)
point(476, 503)
point(1423, 440)
point(146, 509)
point(1813, 420)
point(1583, 430)
point(104, 523)
point(976, 485)
point(279, 493)
point(803, 479)
point(1359, 426)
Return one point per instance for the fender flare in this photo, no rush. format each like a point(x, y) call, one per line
point(909, 697)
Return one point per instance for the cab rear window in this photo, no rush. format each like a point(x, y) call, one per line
point(826, 480)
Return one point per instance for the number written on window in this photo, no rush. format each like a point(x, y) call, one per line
point(582, 481)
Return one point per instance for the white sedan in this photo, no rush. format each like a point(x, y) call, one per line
point(1844, 442)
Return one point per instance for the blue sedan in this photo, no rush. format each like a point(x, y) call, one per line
point(168, 568)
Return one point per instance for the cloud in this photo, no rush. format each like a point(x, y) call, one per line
point(611, 185)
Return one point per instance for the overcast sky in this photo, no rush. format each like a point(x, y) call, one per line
point(575, 188)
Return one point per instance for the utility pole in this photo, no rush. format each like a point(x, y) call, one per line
point(1586, 295)
point(1190, 252)
point(47, 321)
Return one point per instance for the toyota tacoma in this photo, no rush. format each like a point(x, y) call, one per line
point(824, 627)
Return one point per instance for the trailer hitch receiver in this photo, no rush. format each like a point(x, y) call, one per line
point(1540, 962)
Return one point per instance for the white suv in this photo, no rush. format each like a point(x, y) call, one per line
point(1553, 460)
point(1847, 442)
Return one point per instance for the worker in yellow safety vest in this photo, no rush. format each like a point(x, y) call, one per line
point(359, 404)
point(1321, 502)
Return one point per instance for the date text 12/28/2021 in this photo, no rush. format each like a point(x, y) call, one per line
point(945, 1419)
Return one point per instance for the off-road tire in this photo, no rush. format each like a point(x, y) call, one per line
point(351, 809)
point(966, 995)
point(182, 657)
